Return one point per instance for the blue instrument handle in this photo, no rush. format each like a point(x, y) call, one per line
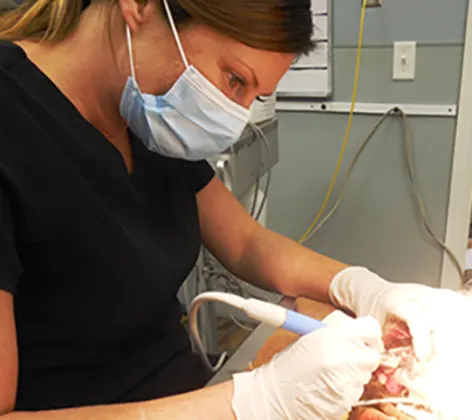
point(301, 324)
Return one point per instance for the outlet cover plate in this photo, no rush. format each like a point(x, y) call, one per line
point(404, 60)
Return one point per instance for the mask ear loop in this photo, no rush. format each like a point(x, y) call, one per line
point(176, 34)
point(130, 53)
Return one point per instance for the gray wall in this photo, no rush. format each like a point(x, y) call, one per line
point(425, 21)
point(378, 223)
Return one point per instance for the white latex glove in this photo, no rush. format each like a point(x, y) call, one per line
point(320, 377)
point(429, 312)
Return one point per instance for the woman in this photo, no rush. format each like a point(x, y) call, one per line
point(100, 224)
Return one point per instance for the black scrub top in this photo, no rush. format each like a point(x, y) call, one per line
point(92, 255)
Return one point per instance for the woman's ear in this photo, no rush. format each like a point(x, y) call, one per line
point(136, 12)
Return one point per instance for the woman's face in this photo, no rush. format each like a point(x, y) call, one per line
point(242, 73)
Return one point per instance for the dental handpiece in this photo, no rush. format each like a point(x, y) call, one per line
point(269, 313)
point(279, 317)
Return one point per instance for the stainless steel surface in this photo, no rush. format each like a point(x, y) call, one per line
point(239, 362)
point(248, 160)
point(243, 356)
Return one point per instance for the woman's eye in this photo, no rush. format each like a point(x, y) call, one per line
point(236, 82)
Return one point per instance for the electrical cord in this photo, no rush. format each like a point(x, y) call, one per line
point(411, 176)
point(265, 142)
point(256, 194)
point(241, 325)
point(348, 175)
point(269, 313)
point(253, 211)
point(349, 124)
point(193, 324)
point(258, 179)
point(419, 198)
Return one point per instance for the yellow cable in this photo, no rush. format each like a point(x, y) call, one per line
point(349, 123)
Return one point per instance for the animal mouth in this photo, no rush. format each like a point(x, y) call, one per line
point(399, 368)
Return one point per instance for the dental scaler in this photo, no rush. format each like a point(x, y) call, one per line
point(266, 312)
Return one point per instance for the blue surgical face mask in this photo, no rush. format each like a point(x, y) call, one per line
point(194, 120)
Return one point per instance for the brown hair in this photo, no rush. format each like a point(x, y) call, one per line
point(51, 20)
point(274, 25)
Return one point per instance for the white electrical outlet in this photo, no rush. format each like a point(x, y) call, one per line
point(372, 3)
point(404, 60)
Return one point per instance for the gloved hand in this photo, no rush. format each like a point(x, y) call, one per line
point(429, 312)
point(321, 376)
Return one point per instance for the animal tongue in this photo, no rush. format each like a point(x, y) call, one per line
point(390, 382)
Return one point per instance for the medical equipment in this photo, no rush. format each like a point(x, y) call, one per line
point(244, 168)
point(263, 109)
point(266, 312)
point(279, 317)
point(249, 160)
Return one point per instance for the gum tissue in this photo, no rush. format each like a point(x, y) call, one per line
point(399, 363)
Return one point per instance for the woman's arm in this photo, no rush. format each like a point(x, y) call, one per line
point(257, 255)
point(208, 403)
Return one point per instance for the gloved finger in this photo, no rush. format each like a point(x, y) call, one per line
point(369, 331)
point(420, 329)
point(338, 318)
point(367, 361)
